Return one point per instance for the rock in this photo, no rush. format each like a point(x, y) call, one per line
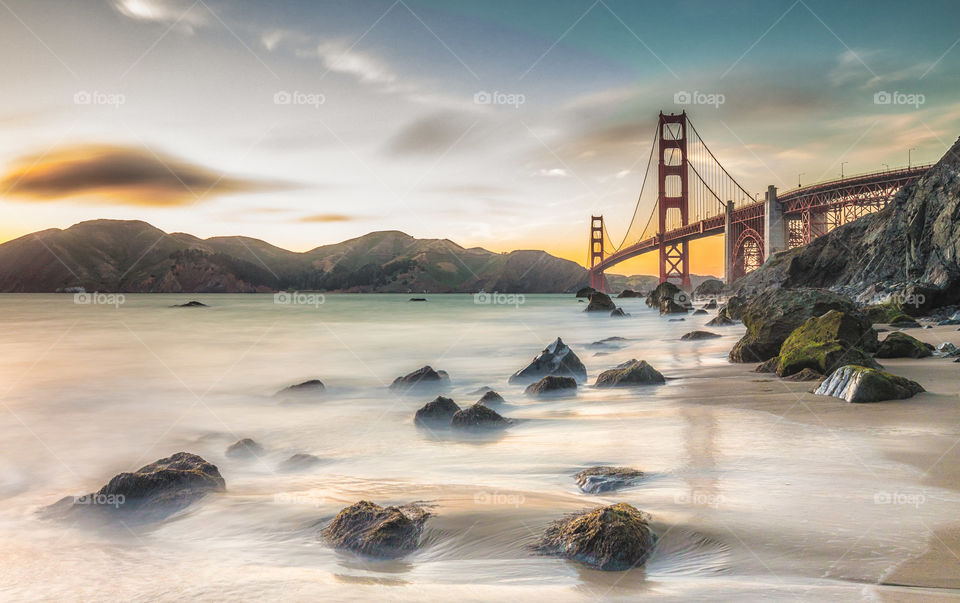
point(600, 302)
point(669, 306)
point(602, 354)
point(947, 349)
point(707, 288)
point(805, 375)
point(774, 314)
point(618, 313)
point(710, 305)
point(244, 449)
point(768, 366)
point(375, 531)
point(948, 322)
point(677, 320)
point(478, 417)
point(720, 320)
point(556, 359)
point(665, 290)
point(480, 391)
point(699, 311)
point(611, 538)
point(860, 384)
point(152, 492)
point(551, 384)
point(299, 462)
point(418, 299)
point(438, 411)
point(734, 308)
point(901, 345)
point(586, 292)
point(190, 304)
point(823, 343)
point(631, 372)
point(491, 398)
point(596, 480)
point(693, 335)
point(607, 342)
point(422, 377)
point(902, 321)
point(629, 293)
point(313, 386)
point(881, 313)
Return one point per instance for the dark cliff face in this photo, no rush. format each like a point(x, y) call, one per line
point(914, 241)
point(135, 257)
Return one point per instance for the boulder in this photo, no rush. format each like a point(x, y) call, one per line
point(734, 308)
point(152, 492)
point(491, 398)
point(901, 345)
point(438, 411)
point(902, 321)
point(631, 372)
point(768, 366)
point(244, 449)
point(629, 293)
point(422, 377)
point(600, 302)
point(313, 386)
point(619, 313)
point(805, 375)
point(947, 349)
point(861, 384)
point(586, 291)
point(550, 385)
point(823, 343)
point(693, 335)
point(375, 531)
point(299, 462)
point(478, 417)
point(707, 288)
point(881, 313)
point(596, 480)
point(774, 314)
point(613, 538)
point(556, 359)
point(669, 306)
point(720, 320)
point(665, 290)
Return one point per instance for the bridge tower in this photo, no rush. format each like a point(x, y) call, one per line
point(597, 279)
point(672, 193)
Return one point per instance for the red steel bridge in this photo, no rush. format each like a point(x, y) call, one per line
point(696, 197)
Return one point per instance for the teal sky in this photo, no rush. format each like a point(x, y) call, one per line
point(175, 112)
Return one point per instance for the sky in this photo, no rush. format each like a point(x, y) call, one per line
point(501, 124)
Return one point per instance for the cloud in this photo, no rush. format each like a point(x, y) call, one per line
point(364, 67)
point(553, 173)
point(124, 175)
point(431, 135)
point(185, 13)
point(326, 218)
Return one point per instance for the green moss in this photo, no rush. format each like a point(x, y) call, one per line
point(826, 342)
point(883, 313)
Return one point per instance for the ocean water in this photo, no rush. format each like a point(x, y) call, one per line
point(745, 504)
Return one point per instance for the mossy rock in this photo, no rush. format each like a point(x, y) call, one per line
point(631, 372)
point(375, 531)
point(902, 321)
point(734, 308)
point(596, 480)
point(665, 290)
point(768, 366)
point(881, 313)
point(613, 538)
point(862, 384)
point(901, 345)
point(826, 342)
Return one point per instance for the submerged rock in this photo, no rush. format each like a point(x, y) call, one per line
point(823, 343)
point(313, 386)
point(422, 377)
point(556, 359)
point(901, 345)
point(152, 492)
point(491, 398)
point(619, 313)
point(596, 480)
point(418, 299)
point(375, 531)
point(631, 372)
point(860, 384)
point(478, 417)
point(600, 302)
point(299, 462)
point(438, 411)
point(693, 335)
point(190, 304)
point(551, 384)
point(611, 538)
point(720, 320)
point(244, 449)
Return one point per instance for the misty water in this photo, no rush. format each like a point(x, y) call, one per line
point(744, 503)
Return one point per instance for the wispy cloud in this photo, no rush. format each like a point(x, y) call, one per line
point(326, 218)
point(187, 14)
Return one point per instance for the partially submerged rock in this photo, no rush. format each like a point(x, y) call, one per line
point(152, 492)
point(375, 531)
point(823, 343)
point(693, 335)
point(720, 320)
point(709, 287)
point(244, 449)
point(699, 311)
point(710, 305)
point(861, 384)
point(556, 359)
point(618, 313)
point(551, 385)
point(734, 308)
point(437, 412)
point(611, 538)
point(901, 345)
point(629, 293)
point(477, 418)
point(422, 377)
point(585, 291)
point(596, 480)
point(299, 462)
point(190, 304)
point(665, 290)
point(631, 372)
point(600, 302)
point(670, 306)
point(491, 398)
point(418, 299)
point(313, 386)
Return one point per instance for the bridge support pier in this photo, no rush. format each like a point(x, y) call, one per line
point(728, 243)
point(774, 224)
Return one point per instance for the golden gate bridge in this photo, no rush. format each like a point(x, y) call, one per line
point(696, 197)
